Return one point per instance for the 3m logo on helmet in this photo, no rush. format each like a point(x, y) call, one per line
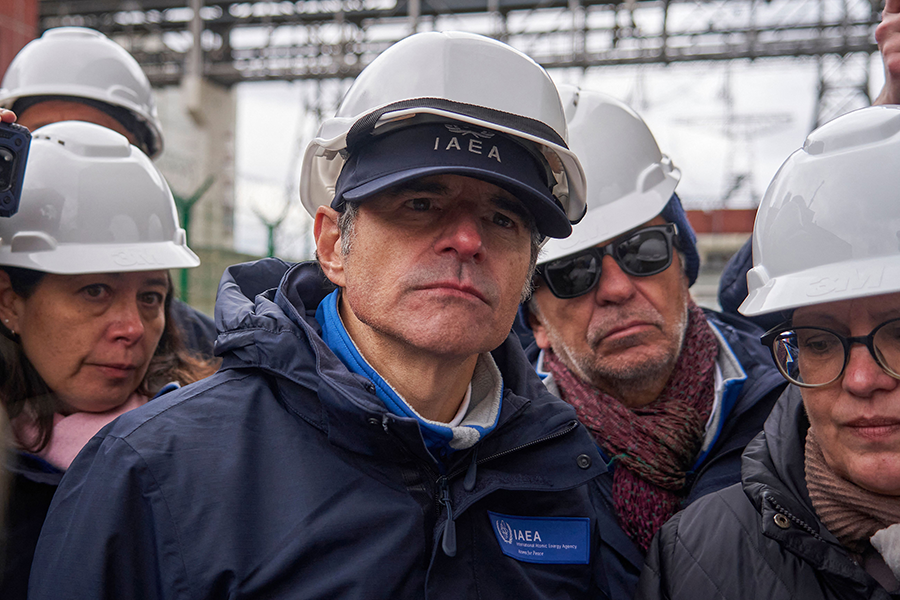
point(854, 280)
point(473, 144)
point(135, 258)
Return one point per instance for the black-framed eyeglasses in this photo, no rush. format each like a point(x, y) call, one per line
point(816, 356)
point(645, 252)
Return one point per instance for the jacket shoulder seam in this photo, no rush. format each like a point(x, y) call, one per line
point(187, 397)
point(172, 521)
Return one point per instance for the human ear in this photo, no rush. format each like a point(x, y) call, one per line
point(537, 328)
point(11, 303)
point(328, 244)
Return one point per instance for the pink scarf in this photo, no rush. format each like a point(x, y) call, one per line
point(72, 432)
point(655, 445)
point(848, 511)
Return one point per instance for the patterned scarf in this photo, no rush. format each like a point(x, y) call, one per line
point(848, 511)
point(654, 445)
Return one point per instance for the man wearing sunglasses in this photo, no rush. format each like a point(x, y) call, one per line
point(671, 392)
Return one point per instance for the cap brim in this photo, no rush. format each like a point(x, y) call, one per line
point(549, 217)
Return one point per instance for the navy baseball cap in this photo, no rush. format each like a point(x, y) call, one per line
point(405, 154)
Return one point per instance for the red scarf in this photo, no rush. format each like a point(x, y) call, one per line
point(654, 445)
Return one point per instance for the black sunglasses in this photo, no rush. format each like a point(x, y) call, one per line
point(645, 252)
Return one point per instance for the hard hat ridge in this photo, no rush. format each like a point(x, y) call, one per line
point(471, 86)
point(826, 229)
point(92, 203)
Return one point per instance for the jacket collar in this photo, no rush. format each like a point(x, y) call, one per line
point(773, 474)
point(265, 312)
point(441, 439)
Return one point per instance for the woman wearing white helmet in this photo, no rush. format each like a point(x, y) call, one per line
point(817, 513)
point(84, 300)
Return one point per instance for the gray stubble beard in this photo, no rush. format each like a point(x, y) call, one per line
point(619, 382)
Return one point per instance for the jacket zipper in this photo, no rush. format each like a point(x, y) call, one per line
point(796, 520)
point(448, 541)
point(470, 475)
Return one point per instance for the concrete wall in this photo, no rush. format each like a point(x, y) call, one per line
point(196, 149)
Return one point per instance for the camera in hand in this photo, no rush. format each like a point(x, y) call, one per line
point(14, 143)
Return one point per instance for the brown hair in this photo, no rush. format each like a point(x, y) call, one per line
point(22, 388)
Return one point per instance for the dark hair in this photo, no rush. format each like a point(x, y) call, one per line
point(22, 387)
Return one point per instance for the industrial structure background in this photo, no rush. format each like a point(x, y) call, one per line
point(195, 52)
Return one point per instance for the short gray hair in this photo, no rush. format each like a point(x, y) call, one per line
point(347, 226)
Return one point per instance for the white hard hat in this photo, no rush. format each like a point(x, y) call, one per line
point(629, 180)
point(454, 76)
point(92, 203)
point(82, 63)
point(827, 227)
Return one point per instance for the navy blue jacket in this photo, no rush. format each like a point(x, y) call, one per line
point(759, 539)
point(198, 332)
point(283, 476)
point(744, 414)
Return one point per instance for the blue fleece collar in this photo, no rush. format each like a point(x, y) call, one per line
point(440, 439)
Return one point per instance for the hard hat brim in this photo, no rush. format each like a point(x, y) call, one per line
point(103, 258)
point(820, 285)
point(610, 221)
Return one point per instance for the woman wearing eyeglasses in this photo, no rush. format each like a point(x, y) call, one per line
point(817, 512)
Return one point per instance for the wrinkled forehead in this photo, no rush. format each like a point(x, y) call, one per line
point(865, 310)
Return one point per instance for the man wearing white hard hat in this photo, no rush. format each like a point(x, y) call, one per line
point(671, 393)
point(375, 431)
point(816, 513)
point(78, 74)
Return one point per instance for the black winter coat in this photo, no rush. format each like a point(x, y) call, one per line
point(758, 539)
point(284, 476)
point(32, 486)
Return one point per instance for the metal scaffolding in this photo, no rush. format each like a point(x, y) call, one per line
point(328, 42)
point(325, 39)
